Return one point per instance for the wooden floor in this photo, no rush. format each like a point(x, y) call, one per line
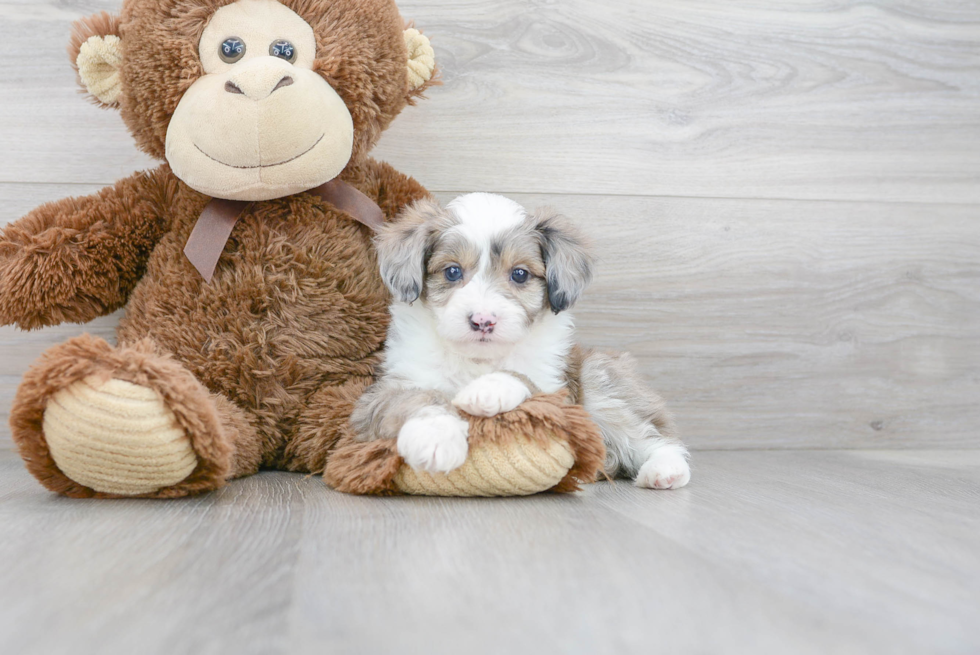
point(765, 552)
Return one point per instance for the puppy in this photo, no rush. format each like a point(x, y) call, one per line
point(480, 323)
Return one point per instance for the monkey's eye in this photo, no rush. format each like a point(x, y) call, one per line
point(453, 273)
point(283, 49)
point(519, 275)
point(231, 50)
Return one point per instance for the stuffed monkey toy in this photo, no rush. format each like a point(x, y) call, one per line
point(254, 311)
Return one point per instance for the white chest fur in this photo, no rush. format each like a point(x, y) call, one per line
point(418, 357)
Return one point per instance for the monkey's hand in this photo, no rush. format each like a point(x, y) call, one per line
point(76, 259)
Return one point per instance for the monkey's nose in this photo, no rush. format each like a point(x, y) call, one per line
point(284, 82)
point(258, 87)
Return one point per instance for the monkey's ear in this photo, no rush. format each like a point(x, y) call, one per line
point(421, 62)
point(567, 260)
point(96, 55)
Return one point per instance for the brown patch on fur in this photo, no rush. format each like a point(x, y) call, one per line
point(369, 467)
point(87, 356)
point(520, 248)
point(449, 250)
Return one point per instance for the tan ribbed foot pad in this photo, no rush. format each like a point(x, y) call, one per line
point(543, 445)
point(116, 437)
point(519, 468)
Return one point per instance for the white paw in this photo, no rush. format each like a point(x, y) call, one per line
point(434, 440)
point(492, 394)
point(667, 468)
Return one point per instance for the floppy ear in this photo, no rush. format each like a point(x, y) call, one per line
point(403, 249)
point(421, 62)
point(96, 55)
point(568, 262)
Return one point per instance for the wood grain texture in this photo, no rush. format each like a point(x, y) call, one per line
point(789, 552)
point(775, 324)
point(827, 99)
point(766, 324)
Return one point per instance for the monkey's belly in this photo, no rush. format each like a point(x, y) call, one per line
point(284, 314)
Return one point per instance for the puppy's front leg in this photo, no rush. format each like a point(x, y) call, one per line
point(430, 434)
point(492, 394)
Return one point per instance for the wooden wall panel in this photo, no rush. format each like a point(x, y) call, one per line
point(823, 99)
point(768, 324)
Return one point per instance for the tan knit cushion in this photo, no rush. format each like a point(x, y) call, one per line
point(116, 437)
point(520, 468)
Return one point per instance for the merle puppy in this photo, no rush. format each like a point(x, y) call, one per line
point(480, 323)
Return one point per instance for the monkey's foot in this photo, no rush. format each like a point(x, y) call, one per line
point(90, 420)
point(117, 437)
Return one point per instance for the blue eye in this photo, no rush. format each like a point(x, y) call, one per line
point(283, 49)
point(231, 50)
point(454, 273)
point(519, 275)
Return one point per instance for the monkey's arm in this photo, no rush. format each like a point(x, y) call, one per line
point(386, 186)
point(79, 258)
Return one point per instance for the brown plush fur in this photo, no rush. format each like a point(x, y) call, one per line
point(360, 51)
point(369, 467)
point(263, 365)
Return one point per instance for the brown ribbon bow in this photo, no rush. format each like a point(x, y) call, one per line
point(212, 230)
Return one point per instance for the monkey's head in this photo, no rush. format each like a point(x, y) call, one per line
point(253, 99)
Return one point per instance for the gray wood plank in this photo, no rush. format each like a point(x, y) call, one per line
point(888, 537)
point(830, 100)
point(144, 576)
point(766, 324)
point(779, 324)
point(767, 552)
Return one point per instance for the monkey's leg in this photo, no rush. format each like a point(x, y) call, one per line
point(324, 419)
point(93, 420)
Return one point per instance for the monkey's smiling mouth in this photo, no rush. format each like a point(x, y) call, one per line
point(262, 165)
